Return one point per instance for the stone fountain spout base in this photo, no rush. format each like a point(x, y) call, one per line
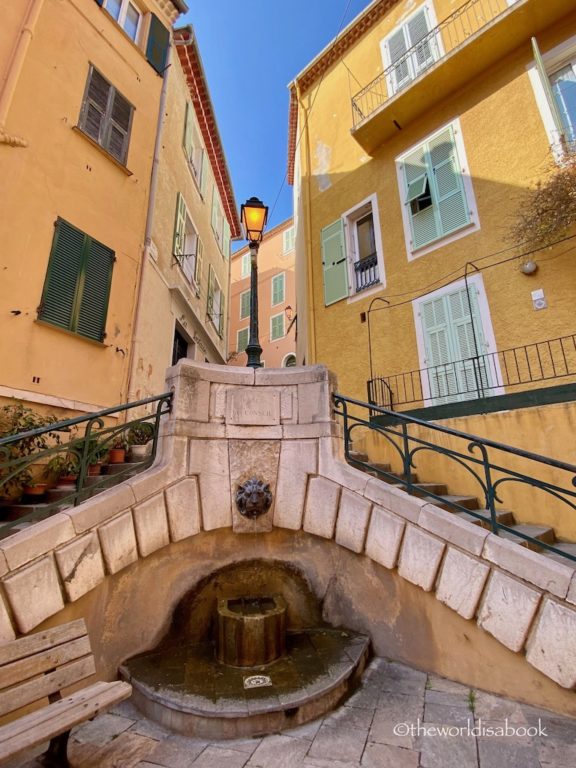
point(188, 690)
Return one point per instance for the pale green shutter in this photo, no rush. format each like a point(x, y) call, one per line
point(188, 131)
point(226, 240)
point(545, 82)
point(423, 224)
point(277, 327)
point(469, 344)
point(417, 30)
point(179, 240)
point(215, 211)
point(334, 263)
point(447, 184)
point(244, 305)
point(439, 374)
point(242, 339)
point(210, 295)
point(397, 48)
point(198, 265)
point(278, 289)
point(204, 173)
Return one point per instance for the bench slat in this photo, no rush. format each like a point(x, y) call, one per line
point(20, 671)
point(43, 686)
point(41, 641)
point(59, 717)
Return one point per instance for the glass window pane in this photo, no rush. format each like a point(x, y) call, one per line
point(131, 21)
point(564, 88)
point(366, 241)
point(113, 8)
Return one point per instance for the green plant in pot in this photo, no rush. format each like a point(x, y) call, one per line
point(94, 450)
point(64, 468)
point(117, 452)
point(139, 435)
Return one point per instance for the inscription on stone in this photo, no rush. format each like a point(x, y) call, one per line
point(257, 407)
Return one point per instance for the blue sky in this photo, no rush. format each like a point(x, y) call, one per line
point(251, 50)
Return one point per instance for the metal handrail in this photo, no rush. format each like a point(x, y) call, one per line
point(541, 361)
point(491, 478)
point(464, 22)
point(19, 453)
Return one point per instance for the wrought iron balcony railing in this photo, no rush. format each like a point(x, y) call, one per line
point(366, 271)
point(41, 473)
point(466, 21)
point(480, 376)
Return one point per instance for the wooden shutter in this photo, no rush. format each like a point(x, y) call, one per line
point(334, 263)
point(204, 174)
point(198, 266)
point(440, 374)
point(417, 29)
point(278, 289)
point(242, 339)
point(469, 343)
point(401, 70)
point(244, 305)
point(119, 127)
point(448, 187)
point(95, 107)
point(187, 140)
point(215, 213)
point(62, 277)
point(179, 227)
point(158, 44)
point(423, 223)
point(545, 83)
point(210, 294)
point(97, 278)
point(226, 240)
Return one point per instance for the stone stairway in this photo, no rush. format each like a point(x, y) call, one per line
point(480, 517)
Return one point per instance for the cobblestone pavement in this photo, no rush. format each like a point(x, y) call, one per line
point(399, 718)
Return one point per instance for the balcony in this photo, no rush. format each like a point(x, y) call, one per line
point(477, 35)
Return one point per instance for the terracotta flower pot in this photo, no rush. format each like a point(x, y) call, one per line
point(116, 456)
point(94, 469)
point(39, 489)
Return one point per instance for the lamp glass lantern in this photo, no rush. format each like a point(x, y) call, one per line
point(254, 215)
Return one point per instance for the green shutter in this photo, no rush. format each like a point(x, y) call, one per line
point(417, 30)
point(226, 240)
point(278, 289)
point(440, 375)
point(64, 269)
point(210, 294)
point(244, 305)
point(198, 266)
point(96, 281)
point(334, 263)
point(215, 205)
point(447, 184)
point(277, 327)
point(158, 44)
point(204, 173)
point(179, 239)
point(242, 339)
point(545, 82)
point(187, 140)
point(397, 47)
point(423, 224)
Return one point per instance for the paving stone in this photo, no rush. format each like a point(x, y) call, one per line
point(495, 753)
point(220, 757)
point(398, 678)
point(489, 707)
point(314, 762)
point(459, 698)
point(436, 683)
point(150, 729)
point(445, 751)
point(557, 755)
point(339, 743)
point(280, 751)
point(177, 752)
point(399, 707)
point(443, 713)
point(384, 756)
point(307, 731)
point(102, 729)
point(385, 731)
point(125, 751)
point(349, 717)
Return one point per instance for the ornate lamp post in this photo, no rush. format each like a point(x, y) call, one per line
point(253, 215)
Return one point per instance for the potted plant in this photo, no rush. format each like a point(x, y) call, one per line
point(117, 453)
point(139, 435)
point(94, 450)
point(63, 467)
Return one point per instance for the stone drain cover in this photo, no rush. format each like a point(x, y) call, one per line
point(257, 681)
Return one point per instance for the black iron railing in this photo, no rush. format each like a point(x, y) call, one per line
point(470, 18)
point(479, 376)
point(366, 271)
point(408, 438)
point(42, 473)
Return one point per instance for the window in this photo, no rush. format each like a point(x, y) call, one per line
point(77, 285)
point(126, 14)
point(410, 49)
point(278, 288)
point(187, 246)
point(277, 326)
point(288, 240)
point(437, 199)
point(220, 226)
point(242, 339)
point(352, 256)
point(244, 305)
point(554, 81)
point(181, 348)
point(195, 153)
point(289, 361)
point(106, 116)
point(246, 265)
point(214, 306)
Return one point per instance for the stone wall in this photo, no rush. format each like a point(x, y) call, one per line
point(431, 590)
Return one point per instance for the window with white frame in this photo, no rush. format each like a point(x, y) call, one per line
point(436, 193)
point(278, 288)
point(411, 48)
point(352, 256)
point(220, 225)
point(288, 240)
point(244, 305)
point(106, 116)
point(554, 80)
point(277, 326)
point(289, 361)
point(193, 148)
point(215, 304)
point(242, 339)
point(187, 246)
point(245, 265)
point(126, 14)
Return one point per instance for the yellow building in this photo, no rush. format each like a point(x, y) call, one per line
point(404, 194)
point(183, 303)
point(414, 138)
point(80, 89)
point(276, 300)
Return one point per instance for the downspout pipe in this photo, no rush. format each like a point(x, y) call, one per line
point(14, 69)
point(149, 224)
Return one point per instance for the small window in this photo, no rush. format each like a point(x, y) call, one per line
point(180, 347)
point(77, 284)
point(277, 327)
point(246, 265)
point(244, 305)
point(242, 339)
point(215, 304)
point(288, 240)
point(220, 225)
point(126, 14)
point(193, 148)
point(187, 246)
point(106, 116)
point(278, 288)
point(289, 361)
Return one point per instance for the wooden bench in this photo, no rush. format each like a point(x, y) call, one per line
point(33, 671)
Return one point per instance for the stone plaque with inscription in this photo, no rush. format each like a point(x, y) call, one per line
point(248, 406)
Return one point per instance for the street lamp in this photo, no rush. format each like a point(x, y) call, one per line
point(253, 215)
